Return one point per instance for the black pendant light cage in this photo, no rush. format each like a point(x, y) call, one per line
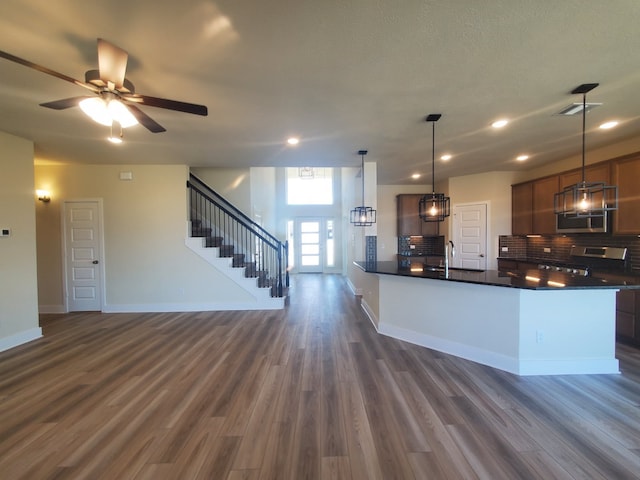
point(434, 207)
point(585, 199)
point(362, 216)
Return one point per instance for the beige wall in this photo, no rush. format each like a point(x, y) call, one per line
point(231, 183)
point(18, 281)
point(494, 189)
point(147, 265)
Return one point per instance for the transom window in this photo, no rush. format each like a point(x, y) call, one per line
point(309, 186)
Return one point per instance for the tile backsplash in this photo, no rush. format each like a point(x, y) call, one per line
point(421, 245)
point(557, 247)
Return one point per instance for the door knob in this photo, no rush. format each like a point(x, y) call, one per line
point(95, 262)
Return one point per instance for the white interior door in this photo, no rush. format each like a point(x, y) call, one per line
point(470, 236)
point(83, 255)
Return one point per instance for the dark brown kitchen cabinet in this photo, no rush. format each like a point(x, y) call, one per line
point(409, 222)
point(627, 316)
point(599, 172)
point(532, 206)
point(522, 208)
point(544, 218)
point(626, 172)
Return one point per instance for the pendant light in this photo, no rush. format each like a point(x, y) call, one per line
point(585, 199)
point(363, 216)
point(433, 207)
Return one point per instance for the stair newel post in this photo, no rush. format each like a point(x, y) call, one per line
point(279, 272)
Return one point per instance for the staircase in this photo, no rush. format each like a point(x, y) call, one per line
point(237, 246)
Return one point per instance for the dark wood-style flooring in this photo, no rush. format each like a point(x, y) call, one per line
point(308, 392)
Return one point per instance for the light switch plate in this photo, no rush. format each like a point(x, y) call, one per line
point(505, 249)
point(547, 250)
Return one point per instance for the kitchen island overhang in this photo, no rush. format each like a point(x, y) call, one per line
point(525, 327)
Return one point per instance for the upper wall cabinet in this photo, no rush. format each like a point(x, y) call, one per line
point(544, 218)
point(522, 208)
point(600, 172)
point(532, 202)
point(626, 175)
point(532, 206)
point(409, 222)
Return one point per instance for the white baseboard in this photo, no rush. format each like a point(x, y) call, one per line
point(356, 291)
point(20, 338)
point(467, 352)
point(522, 367)
point(369, 312)
point(275, 303)
point(569, 367)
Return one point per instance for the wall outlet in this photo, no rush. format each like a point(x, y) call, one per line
point(504, 249)
point(547, 250)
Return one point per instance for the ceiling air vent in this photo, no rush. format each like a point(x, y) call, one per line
point(576, 108)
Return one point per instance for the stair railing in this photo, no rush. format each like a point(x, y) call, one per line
point(263, 255)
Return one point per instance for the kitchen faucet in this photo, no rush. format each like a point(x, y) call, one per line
point(446, 256)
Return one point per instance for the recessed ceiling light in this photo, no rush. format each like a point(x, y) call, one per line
point(415, 176)
point(293, 140)
point(608, 125)
point(522, 158)
point(500, 123)
point(445, 157)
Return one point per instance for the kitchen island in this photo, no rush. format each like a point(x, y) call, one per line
point(526, 323)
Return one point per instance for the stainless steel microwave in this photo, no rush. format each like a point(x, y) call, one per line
point(572, 224)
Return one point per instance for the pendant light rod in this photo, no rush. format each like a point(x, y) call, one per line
point(433, 207)
point(584, 89)
point(362, 153)
point(433, 118)
point(362, 216)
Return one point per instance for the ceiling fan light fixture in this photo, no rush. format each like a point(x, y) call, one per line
point(121, 114)
point(105, 112)
point(96, 109)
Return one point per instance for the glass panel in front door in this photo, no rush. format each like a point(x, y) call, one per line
point(310, 243)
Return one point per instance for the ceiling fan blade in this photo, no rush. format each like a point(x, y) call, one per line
point(168, 104)
point(64, 103)
point(145, 120)
point(46, 70)
point(112, 62)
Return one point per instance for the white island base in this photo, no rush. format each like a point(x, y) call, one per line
point(522, 331)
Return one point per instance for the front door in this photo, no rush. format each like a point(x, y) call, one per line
point(470, 236)
point(83, 255)
point(314, 244)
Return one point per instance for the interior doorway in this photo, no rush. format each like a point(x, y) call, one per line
point(312, 244)
point(83, 255)
point(470, 236)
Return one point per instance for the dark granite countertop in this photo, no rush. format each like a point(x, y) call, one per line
point(533, 279)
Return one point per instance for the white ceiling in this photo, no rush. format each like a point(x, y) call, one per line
point(343, 75)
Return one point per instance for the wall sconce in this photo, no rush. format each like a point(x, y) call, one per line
point(43, 196)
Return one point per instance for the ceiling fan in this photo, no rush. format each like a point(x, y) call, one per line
point(114, 99)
